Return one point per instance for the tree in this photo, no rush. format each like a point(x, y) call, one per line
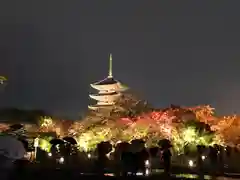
point(193, 133)
point(3, 127)
point(131, 118)
point(3, 79)
point(229, 128)
point(127, 105)
point(204, 113)
point(130, 105)
point(3, 83)
point(46, 124)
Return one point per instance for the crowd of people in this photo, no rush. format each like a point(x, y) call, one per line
point(216, 154)
point(129, 159)
point(124, 159)
point(137, 159)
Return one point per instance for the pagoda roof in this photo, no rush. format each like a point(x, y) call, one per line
point(107, 81)
point(106, 94)
point(105, 97)
point(95, 107)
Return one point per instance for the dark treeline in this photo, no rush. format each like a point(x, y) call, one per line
point(14, 115)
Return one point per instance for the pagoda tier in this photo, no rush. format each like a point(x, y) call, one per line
point(109, 90)
point(98, 107)
point(111, 97)
point(102, 103)
point(109, 84)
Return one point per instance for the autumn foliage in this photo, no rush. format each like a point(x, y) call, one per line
point(136, 119)
point(131, 118)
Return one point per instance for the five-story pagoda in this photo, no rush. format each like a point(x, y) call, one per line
point(109, 90)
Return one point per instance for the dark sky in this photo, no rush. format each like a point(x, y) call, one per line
point(170, 52)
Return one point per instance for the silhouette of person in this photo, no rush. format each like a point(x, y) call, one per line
point(100, 159)
point(200, 150)
point(166, 156)
point(228, 151)
point(141, 156)
point(127, 159)
point(213, 155)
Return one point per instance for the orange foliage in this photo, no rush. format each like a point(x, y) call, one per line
point(3, 127)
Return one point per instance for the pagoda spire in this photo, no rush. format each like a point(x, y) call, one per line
point(110, 75)
point(109, 90)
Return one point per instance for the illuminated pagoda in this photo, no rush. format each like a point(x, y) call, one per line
point(109, 90)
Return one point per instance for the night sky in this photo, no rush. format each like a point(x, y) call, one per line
point(169, 52)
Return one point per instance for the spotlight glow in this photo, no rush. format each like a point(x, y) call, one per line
point(147, 163)
point(190, 163)
point(61, 160)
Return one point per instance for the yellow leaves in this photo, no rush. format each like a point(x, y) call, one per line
point(2, 79)
point(149, 125)
point(224, 123)
point(46, 121)
point(87, 141)
point(46, 124)
point(44, 145)
point(203, 112)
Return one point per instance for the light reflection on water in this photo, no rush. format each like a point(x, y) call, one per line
point(191, 176)
point(187, 176)
point(194, 176)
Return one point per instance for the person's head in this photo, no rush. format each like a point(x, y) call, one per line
point(199, 148)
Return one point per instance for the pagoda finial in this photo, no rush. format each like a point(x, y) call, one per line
point(110, 67)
